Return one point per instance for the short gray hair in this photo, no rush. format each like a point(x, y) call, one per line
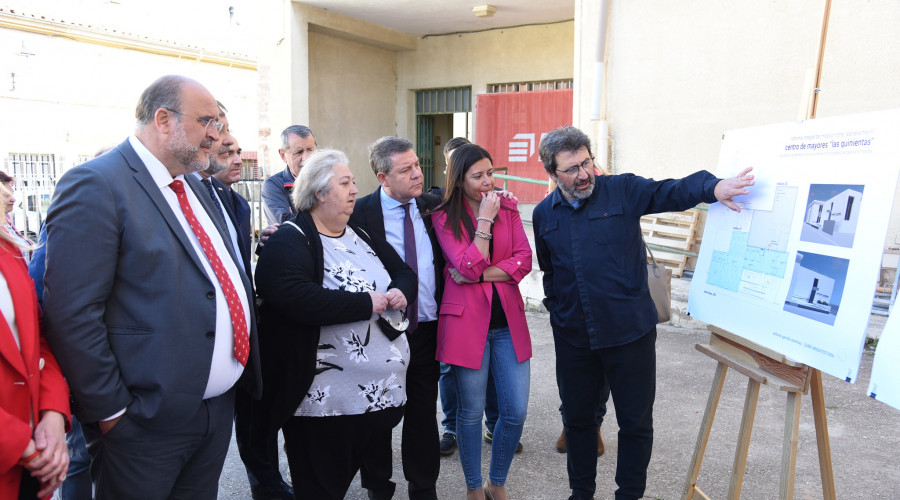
point(564, 139)
point(314, 177)
point(165, 92)
point(298, 130)
point(381, 150)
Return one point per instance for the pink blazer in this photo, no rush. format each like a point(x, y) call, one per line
point(466, 309)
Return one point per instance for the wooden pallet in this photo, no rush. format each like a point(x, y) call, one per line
point(674, 230)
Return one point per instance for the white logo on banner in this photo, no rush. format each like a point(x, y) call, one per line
point(519, 150)
point(522, 147)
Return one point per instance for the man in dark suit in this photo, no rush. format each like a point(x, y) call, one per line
point(257, 447)
point(236, 206)
point(146, 304)
point(395, 206)
point(297, 144)
point(218, 162)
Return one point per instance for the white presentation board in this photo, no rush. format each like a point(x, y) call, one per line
point(796, 270)
point(885, 382)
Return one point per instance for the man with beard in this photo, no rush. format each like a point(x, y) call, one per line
point(218, 162)
point(258, 449)
point(147, 306)
point(588, 243)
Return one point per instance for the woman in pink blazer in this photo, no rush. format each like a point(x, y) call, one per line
point(482, 316)
point(34, 397)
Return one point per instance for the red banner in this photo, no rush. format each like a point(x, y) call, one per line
point(510, 126)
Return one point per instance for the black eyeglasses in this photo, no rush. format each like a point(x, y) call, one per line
point(587, 165)
point(205, 121)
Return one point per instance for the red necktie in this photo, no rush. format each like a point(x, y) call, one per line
point(238, 321)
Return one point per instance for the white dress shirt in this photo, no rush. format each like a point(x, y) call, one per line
point(393, 231)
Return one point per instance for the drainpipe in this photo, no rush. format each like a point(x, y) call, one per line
point(598, 110)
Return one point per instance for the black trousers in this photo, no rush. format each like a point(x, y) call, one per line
point(630, 370)
point(258, 451)
point(420, 446)
point(324, 453)
point(181, 462)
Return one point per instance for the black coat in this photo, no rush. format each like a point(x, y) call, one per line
point(293, 306)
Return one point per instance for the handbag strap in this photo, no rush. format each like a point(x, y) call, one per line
point(652, 258)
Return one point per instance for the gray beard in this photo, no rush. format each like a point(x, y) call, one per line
point(185, 153)
point(573, 194)
point(215, 166)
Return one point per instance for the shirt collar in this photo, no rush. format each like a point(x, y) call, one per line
point(158, 171)
point(556, 197)
point(390, 204)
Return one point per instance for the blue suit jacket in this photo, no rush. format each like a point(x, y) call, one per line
point(238, 211)
point(129, 308)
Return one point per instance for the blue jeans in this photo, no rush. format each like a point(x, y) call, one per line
point(513, 382)
point(447, 384)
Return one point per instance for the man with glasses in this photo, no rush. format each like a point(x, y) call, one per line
point(588, 243)
point(147, 306)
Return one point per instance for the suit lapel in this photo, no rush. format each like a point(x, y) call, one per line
point(145, 181)
point(374, 215)
point(203, 196)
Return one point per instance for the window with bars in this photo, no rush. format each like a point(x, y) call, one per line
point(444, 101)
point(32, 169)
point(496, 88)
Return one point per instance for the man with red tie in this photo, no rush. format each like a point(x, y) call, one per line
point(147, 306)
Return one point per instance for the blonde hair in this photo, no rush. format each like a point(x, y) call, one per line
point(26, 245)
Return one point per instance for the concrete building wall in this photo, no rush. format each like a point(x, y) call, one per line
point(524, 54)
point(353, 87)
point(681, 73)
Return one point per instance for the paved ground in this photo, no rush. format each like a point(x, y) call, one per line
point(865, 435)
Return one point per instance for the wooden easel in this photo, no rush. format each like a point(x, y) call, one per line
point(764, 366)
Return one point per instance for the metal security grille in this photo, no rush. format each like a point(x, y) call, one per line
point(442, 101)
point(36, 175)
point(496, 88)
point(32, 167)
point(425, 147)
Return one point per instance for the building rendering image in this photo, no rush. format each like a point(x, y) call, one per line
point(832, 220)
point(817, 284)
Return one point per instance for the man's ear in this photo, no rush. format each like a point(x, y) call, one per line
point(382, 177)
point(281, 154)
point(164, 120)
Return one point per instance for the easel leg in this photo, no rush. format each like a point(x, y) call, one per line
point(743, 447)
point(789, 446)
point(822, 439)
point(705, 427)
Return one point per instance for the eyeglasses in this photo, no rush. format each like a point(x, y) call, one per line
point(205, 121)
point(587, 165)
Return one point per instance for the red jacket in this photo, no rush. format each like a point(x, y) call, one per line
point(30, 379)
